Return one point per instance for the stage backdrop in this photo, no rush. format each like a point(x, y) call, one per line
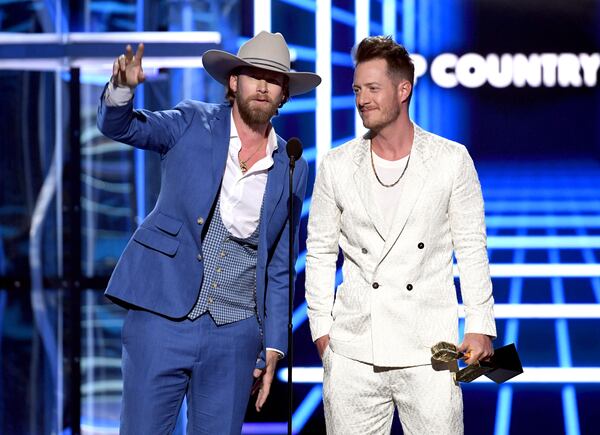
point(516, 82)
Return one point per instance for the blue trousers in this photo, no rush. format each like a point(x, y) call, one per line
point(165, 360)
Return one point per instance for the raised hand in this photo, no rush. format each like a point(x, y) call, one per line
point(127, 68)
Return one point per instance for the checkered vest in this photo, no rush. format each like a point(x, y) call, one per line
point(228, 289)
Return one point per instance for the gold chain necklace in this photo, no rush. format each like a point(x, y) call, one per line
point(243, 163)
point(377, 176)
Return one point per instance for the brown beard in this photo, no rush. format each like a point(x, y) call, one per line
point(255, 118)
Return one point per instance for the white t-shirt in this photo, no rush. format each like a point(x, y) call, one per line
point(388, 198)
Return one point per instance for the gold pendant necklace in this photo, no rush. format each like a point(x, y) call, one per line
point(243, 163)
point(377, 176)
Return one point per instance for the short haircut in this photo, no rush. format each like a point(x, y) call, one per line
point(400, 65)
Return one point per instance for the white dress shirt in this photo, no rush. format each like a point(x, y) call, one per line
point(242, 194)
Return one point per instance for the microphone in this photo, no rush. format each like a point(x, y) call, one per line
point(294, 150)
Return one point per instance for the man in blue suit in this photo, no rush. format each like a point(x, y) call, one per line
point(205, 276)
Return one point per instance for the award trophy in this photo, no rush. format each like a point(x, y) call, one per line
point(502, 366)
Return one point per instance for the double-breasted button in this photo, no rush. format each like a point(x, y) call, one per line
point(210, 300)
point(214, 285)
point(375, 285)
point(421, 245)
point(409, 287)
point(200, 220)
point(364, 250)
point(199, 257)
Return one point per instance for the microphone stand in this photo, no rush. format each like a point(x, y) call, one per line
point(291, 293)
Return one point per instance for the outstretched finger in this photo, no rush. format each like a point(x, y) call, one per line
point(115, 70)
point(263, 393)
point(139, 53)
point(128, 53)
point(122, 67)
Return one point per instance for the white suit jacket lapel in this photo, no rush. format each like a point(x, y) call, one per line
point(362, 182)
point(414, 180)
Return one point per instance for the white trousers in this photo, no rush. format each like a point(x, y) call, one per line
point(359, 398)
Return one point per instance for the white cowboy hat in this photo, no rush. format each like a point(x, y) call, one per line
point(266, 51)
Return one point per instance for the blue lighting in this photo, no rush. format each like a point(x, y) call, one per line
point(547, 206)
point(306, 408)
point(300, 105)
point(570, 410)
point(503, 410)
point(300, 316)
point(543, 242)
point(264, 428)
point(301, 262)
point(569, 398)
point(542, 221)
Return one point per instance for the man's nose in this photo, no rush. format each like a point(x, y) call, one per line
point(262, 86)
point(361, 99)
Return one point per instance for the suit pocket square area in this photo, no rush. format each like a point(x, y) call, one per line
point(156, 241)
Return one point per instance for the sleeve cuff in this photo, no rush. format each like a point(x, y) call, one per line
point(280, 353)
point(481, 325)
point(116, 96)
point(320, 327)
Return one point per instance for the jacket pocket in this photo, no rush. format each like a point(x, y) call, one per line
point(167, 224)
point(156, 240)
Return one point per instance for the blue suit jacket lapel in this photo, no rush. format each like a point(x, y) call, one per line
point(220, 132)
point(275, 182)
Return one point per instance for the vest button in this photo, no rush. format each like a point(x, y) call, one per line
point(219, 270)
point(222, 253)
point(210, 300)
point(199, 257)
point(409, 287)
point(421, 245)
point(214, 285)
point(375, 285)
point(200, 220)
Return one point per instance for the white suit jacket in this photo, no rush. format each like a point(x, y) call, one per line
point(398, 297)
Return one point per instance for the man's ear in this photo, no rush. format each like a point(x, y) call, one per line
point(404, 90)
point(233, 82)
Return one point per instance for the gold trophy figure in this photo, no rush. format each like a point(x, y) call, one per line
point(502, 366)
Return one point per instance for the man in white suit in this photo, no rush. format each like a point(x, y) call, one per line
point(398, 202)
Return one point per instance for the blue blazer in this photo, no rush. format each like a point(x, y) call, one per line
point(161, 268)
